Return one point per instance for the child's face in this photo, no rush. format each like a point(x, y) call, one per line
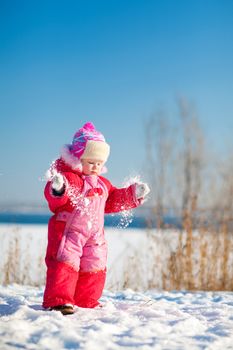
point(92, 166)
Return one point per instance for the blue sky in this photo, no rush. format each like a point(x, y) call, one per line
point(114, 63)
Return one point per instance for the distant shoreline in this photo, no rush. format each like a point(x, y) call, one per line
point(116, 220)
point(38, 219)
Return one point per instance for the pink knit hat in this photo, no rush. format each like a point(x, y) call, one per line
point(87, 143)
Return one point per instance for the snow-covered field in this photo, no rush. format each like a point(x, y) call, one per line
point(128, 320)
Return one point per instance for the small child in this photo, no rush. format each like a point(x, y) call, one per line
point(79, 197)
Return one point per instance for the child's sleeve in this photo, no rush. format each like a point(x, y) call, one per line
point(54, 201)
point(57, 200)
point(120, 199)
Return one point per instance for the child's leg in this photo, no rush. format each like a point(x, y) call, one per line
point(92, 274)
point(61, 282)
point(61, 277)
point(89, 288)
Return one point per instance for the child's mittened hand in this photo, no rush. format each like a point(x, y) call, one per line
point(57, 182)
point(142, 190)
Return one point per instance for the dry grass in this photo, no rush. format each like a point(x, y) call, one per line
point(20, 263)
point(185, 259)
point(11, 270)
point(202, 260)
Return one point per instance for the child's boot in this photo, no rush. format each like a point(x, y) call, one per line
point(66, 309)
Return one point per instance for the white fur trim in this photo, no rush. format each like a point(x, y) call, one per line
point(69, 159)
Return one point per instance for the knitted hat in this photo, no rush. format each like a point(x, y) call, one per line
point(87, 143)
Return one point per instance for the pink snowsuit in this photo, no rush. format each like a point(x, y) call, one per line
point(77, 250)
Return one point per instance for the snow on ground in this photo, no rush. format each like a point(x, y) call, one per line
point(128, 320)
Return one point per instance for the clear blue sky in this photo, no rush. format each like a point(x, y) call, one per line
point(63, 63)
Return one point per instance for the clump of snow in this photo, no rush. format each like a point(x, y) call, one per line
point(126, 216)
point(131, 179)
point(127, 320)
point(50, 171)
point(89, 225)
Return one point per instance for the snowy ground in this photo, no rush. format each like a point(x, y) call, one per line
point(128, 320)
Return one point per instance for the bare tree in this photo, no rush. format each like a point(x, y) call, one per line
point(191, 156)
point(224, 200)
point(176, 160)
point(185, 177)
point(159, 148)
